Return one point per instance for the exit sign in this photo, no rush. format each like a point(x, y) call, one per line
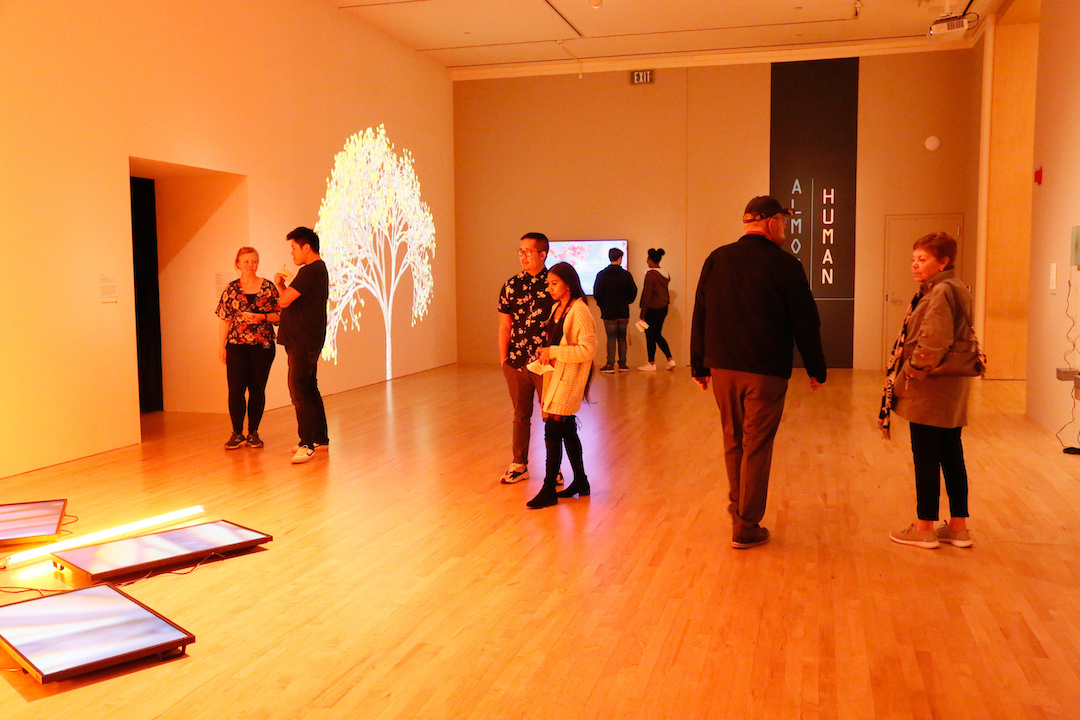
point(641, 77)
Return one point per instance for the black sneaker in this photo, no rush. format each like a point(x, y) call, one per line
point(253, 440)
point(608, 369)
point(237, 440)
point(750, 538)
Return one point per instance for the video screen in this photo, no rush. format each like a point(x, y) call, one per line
point(587, 256)
point(31, 521)
point(95, 563)
point(71, 633)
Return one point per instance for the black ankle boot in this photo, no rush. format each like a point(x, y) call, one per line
point(545, 498)
point(578, 487)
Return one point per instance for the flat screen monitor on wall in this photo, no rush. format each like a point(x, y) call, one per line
point(68, 634)
point(37, 521)
point(587, 256)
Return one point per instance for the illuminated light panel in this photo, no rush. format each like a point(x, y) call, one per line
point(36, 521)
point(40, 553)
point(373, 229)
point(166, 548)
point(59, 636)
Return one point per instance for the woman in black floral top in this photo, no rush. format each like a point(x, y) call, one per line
point(247, 309)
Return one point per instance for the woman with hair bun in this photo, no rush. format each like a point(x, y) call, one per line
point(655, 299)
point(569, 349)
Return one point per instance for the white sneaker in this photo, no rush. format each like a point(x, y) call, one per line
point(671, 363)
point(514, 474)
point(303, 454)
point(648, 367)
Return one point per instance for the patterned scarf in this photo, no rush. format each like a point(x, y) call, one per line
point(896, 361)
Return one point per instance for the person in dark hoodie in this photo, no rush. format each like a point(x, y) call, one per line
point(655, 299)
point(614, 290)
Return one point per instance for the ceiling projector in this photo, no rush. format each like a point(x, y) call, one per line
point(948, 25)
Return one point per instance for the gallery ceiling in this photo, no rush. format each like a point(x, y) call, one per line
point(506, 38)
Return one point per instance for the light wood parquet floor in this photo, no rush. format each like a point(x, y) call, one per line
point(404, 582)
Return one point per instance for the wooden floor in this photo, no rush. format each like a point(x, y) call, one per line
point(404, 582)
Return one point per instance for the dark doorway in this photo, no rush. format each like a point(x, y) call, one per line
point(147, 304)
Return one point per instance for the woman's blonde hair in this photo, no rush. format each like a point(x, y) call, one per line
point(244, 251)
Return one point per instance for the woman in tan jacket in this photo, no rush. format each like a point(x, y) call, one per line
point(571, 345)
point(935, 404)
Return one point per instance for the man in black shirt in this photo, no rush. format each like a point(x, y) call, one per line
point(753, 304)
point(302, 333)
point(614, 290)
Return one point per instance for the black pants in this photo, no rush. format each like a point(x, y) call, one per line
point(557, 433)
point(938, 451)
point(247, 367)
point(304, 392)
point(655, 319)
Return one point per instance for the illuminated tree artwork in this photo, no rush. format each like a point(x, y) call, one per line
point(374, 230)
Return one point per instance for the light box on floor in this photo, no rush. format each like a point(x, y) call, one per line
point(37, 521)
point(79, 631)
point(169, 548)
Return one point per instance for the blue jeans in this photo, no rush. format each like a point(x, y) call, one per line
point(304, 392)
point(616, 335)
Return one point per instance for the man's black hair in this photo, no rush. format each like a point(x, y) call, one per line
point(305, 236)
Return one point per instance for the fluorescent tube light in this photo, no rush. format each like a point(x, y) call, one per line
point(40, 553)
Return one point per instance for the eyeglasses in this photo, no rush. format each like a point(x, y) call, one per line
point(526, 253)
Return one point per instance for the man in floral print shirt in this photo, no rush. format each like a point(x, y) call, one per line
point(524, 307)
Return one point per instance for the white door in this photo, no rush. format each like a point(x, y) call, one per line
point(901, 232)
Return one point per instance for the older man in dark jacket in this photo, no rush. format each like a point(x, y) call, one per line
point(753, 305)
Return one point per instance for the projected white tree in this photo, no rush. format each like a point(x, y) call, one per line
point(374, 229)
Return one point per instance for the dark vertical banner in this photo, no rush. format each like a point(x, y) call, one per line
point(814, 136)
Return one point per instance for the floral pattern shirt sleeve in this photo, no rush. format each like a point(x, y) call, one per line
point(234, 302)
point(525, 299)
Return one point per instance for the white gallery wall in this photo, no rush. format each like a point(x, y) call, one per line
point(673, 164)
point(1055, 212)
point(260, 94)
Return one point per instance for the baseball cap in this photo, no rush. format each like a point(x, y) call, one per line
point(763, 207)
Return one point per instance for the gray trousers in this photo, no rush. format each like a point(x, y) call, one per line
point(751, 406)
point(616, 338)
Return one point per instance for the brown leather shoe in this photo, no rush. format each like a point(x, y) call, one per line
point(750, 538)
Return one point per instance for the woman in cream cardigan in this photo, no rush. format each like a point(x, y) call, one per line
point(571, 345)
